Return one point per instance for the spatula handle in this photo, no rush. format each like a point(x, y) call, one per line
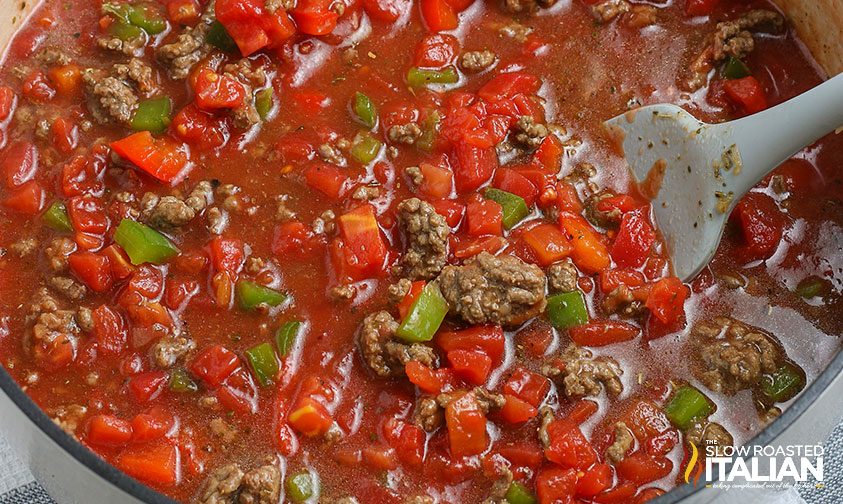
point(770, 137)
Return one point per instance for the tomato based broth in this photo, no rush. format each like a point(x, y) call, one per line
point(210, 291)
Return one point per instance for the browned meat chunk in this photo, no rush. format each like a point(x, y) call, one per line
point(498, 290)
point(68, 287)
point(622, 301)
point(705, 433)
point(384, 355)
point(477, 61)
point(426, 234)
point(169, 212)
point(525, 6)
point(623, 441)
point(138, 72)
point(24, 247)
point(428, 414)
point(221, 486)
point(261, 486)
point(562, 277)
point(169, 349)
point(610, 9)
point(528, 133)
point(404, 133)
point(732, 356)
point(734, 38)
point(109, 98)
point(69, 417)
point(582, 374)
point(179, 56)
point(605, 218)
point(57, 253)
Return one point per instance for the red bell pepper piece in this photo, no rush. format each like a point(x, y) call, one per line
point(158, 463)
point(93, 269)
point(484, 217)
point(589, 253)
point(548, 243)
point(747, 93)
point(214, 364)
point(634, 240)
point(161, 158)
point(603, 332)
point(438, 15)
point(470, 365)
point(488, 339)
point(108, 430)
point(364, 248)
point(466, 426)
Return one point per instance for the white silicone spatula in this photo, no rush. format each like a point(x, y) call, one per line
point(705, 169)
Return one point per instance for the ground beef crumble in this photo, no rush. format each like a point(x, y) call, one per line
point(113, 95)
point(426, 234)
point(498, 290)
point(731, 356)
point(382, 352)
point(526, 6)
point(623, 441)
point(179, 56)
point(477, 61)
point(582, 374)
point(562, 277)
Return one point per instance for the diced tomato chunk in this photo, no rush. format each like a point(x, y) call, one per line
point(516, 410)
point(93, 269)
point(325, 178)
point(438, 15)
point(144, 387)
point(450, 209)
point(154, 424)
point(667, 299)
point(548, 243)
point(568, 446)
point(761, 224)
point(217, 91)
point(473, 166)
point(470, 365)
point(514, 182)
point(747, 93)
point(488, 339)
point(162, 158)
point(386, 10)
point(27, 199)
point(436, 182)
point(603, 332)
point(310, 418)
point(484, 217)
point(556, 485)
point(157, 463)
point(109, 330)
point(436, 50)
point(199, 129)
point(466, 426)
point(528, 386)
point(315, 17)
point(589, 252)
point(19, 163)
point(641, 468)
point(214, 364)
point(634, 240)
point(108, 430)
point(364, 250)
point(700, 7)
point(596, 478)
point(507, 85)
point(426, 379)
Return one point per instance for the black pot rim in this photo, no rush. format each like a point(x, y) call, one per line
point(146, 494)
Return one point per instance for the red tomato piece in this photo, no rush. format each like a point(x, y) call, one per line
point(507, 85)
point(488, 339)
point(614, 278)
point(514, 182)
point(589, 253)
point(162, 158)
point(83, 173)
point(154, 424)
point(19, 163)
point(426, 379)
point(634, 240)
point(144, 387)
point(470, 365)
point(641, 468)
point(410, 298)
point(466, 426)
point(37, 88)
point(761, 224)
point(217, 91)
point(450, 209)
point(228, 254)
point(387, 11)
point(108, 430)
point(364, 248)
point(747, 93)
point(109, 330)
point(65, 135)
point(596, 478)
point(548, 243)
point(700, 7)
point(603, 332)
point(93, 269)
point(568, 446)
point(292, 237)
point(549, 154)
point(158, 463)
point(315, 17)
point(473, 166)
point(214, 364)
point(310, 418)
point(484, 217)
point(667, 300)
point(556, 485)
point(436, 50)
point(438, 15)
point(326, 178)
point(527, 386)
point(8, 100)
point(239, 393)
point(516, 411)
point(437, 181)
point(200, 129)
point(27, 199)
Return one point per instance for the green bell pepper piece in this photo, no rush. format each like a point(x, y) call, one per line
point(365, 148)
point(736, 69)
point(144, 244)
point(153, 115)
point(567, 310)
point(430, 127)
point(56, 218)
point(425, 316)
point(124, 31)
point(264, 101)
point(812, 286)
point(144, 17)
point(514, 206)
point(263, 362)
point(250, 295)
point(218, 37)
point(517, 493)
point(418, 77)
point(365, 110)
point(300, 486)
point(180, 382)
point(287, 335)
point(784, 383)
point(687, 405)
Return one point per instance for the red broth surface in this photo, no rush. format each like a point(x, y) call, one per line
point(87, 316)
